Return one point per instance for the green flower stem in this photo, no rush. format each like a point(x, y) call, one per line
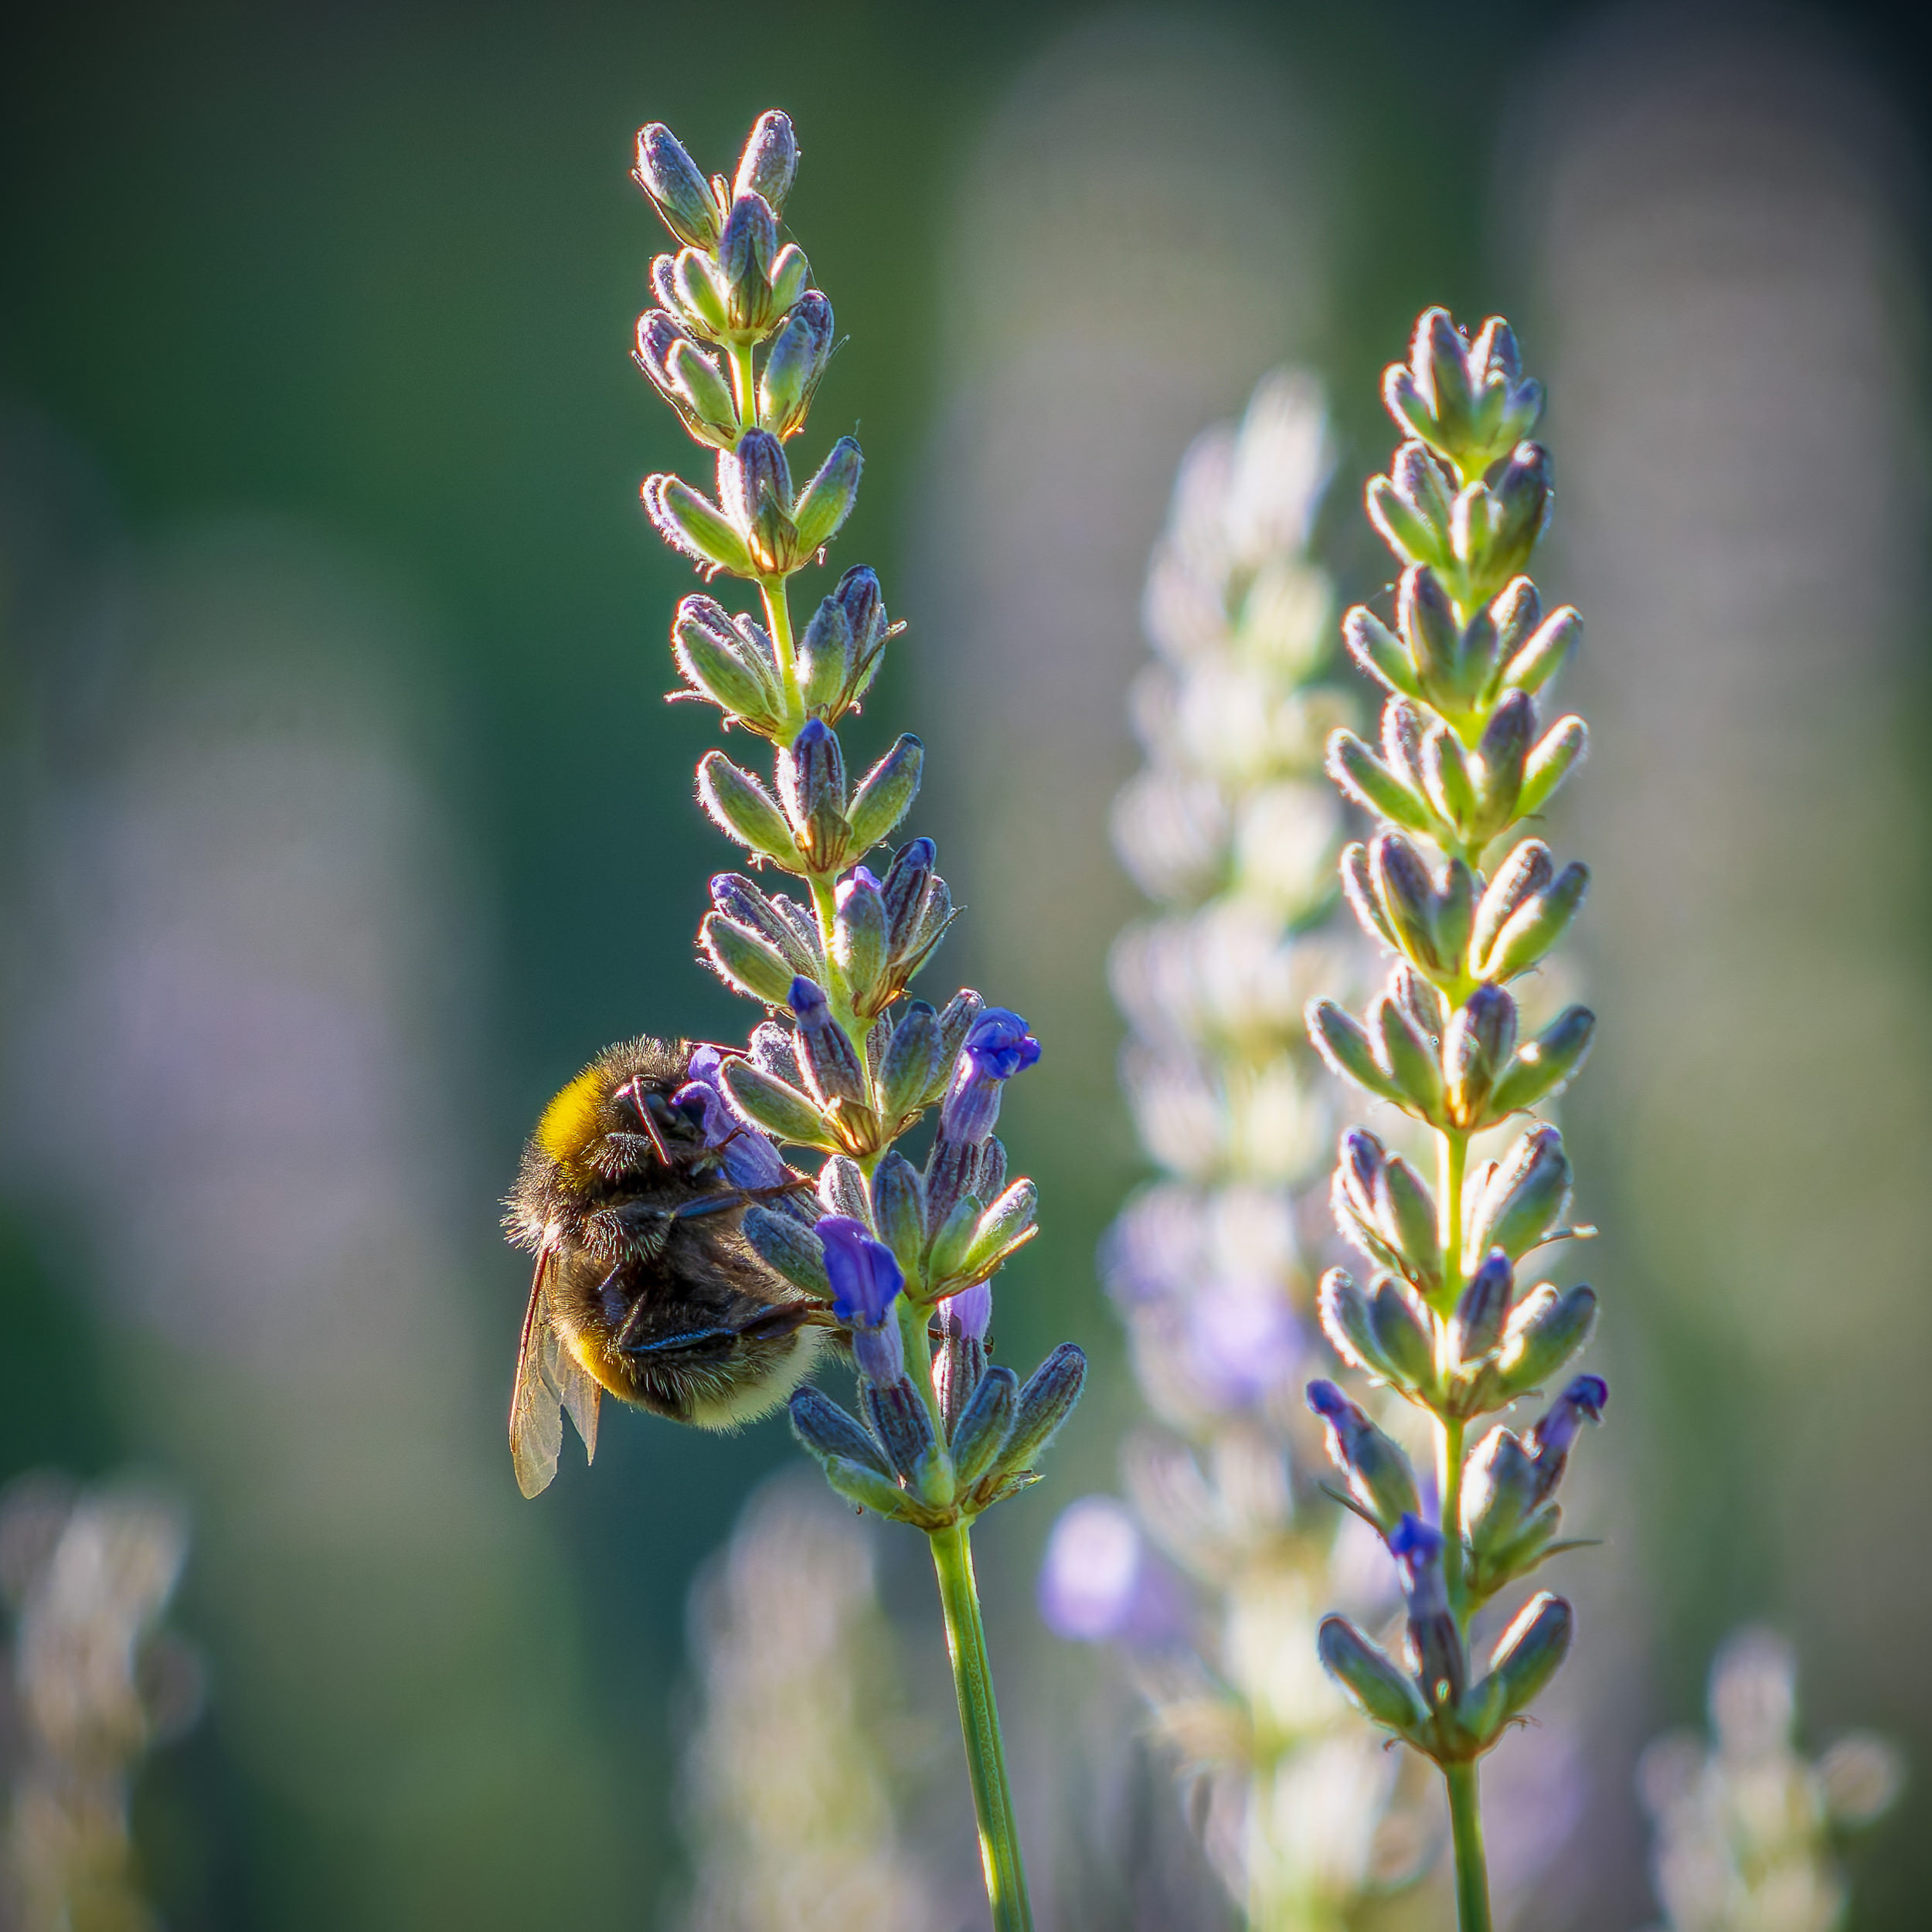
point(776, 594)
point(1465, 1808)
point(1472, 1868)
point(744, 388)
point(979, 1725)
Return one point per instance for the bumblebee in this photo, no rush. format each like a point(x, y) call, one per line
point(643, 1284)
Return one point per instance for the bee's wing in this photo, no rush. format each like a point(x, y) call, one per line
point(548, 1380)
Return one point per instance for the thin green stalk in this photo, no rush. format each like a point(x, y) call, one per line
point(744, 390)
point(1472, 1868)
point(979, 1725)
point(778, 600)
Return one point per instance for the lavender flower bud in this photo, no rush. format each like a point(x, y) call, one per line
point(1545, 1330)
point(951, 1169)
point(1358, 888)
point(769, 162)
point(1404, 1332)
point(745, 962)
point(858, 937)
point(742, 808)
point(1405, 1213)
point(1556, 754)
point(1483, 1309)
point(1447, 781)
point(1477, 1050)
point(774, 1051)
point(812, 783)
point(754, 487)
point(720, 663)
point(964, 1319)
point(1429, 628)
point(695, 526)
point(1536, 925)
point(789, 273)
point(690, 285)
point(1380, 651)
point(1046, 1402)
point(1545, 1064)
point(831, 1061)
point(1411, 507)
point(859, 596)
point(1530, 1653)
point(956, 1019)
point(1523, 1198)
point(1544, 650)
point(1420, 1001)
point(865, 1488)
point(779, 1107)
point(1502, 750)
point(1006, 1225)
point(947, 1261)
point(841, 1188)
point(1370, 1679)
point(1527, 871)
point(826, 500)
point(1433, 1637)
point(898, 1209)
point(1522, 498)
point(885, 793)
point(1344, 1311)
point(737, 899)
point(827, 1431)
point(1407, 1059)
point(794, 1251)
point(1343, 1042)
point(747, 245)
point(1379, 1475)
point(1361, 776)
point(899, 1418)
point(997, 1046)
point(688, 379)
point(680, 195)
point(986, 1424)
point(911, 1063)
point(794, 365)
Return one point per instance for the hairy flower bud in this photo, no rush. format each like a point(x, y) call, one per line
point(680, 195)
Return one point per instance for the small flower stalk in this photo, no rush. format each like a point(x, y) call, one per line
point(1230, 829)
point(1750, 1830)
point(847, 1061)
point(1467, 902)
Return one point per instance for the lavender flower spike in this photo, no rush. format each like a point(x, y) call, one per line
point(846, 1061)
point(996, 1047)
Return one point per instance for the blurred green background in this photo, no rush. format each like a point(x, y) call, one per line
point(354, 285)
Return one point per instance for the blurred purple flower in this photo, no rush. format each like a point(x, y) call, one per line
point(1242, 1339)
point(1100, 1582)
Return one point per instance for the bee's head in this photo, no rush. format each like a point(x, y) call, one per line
point(595, 1124)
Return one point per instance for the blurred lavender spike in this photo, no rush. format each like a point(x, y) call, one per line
point(1229, 829)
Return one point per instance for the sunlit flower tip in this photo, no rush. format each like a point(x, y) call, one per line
point(1100, 1582)
point(997, 1046)
point(860, 879)
point(809, 1005)
point(968, 1313)
point(1582, 1402)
